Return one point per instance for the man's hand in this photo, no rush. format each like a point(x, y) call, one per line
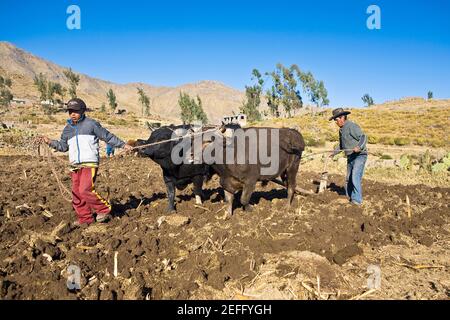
point(127, 148)
point(44, 139)
point(357, 149)
point(334, 153)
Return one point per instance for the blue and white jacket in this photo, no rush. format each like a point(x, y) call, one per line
point(82, 141)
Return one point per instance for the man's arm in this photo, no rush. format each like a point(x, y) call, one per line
point(356, 132)
point(109, 138)
point(61, 145)
point(104, 135)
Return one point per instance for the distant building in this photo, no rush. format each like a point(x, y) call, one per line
point(240, 119)
point(19, 101)
point(47, 103)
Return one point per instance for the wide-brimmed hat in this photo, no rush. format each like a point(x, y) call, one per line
point(338, 112)
point(76, 104)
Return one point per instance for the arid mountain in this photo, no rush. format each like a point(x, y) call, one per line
point(218, 99)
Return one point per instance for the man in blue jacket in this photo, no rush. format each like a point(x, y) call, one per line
point(81, 138)
point(353, 142)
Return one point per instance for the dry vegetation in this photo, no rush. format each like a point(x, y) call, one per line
point(412, 121)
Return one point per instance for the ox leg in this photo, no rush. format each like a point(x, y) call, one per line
point(229, 197)
point(246, 195)
point(292, 180)
point(170, 185)
point(198, 183)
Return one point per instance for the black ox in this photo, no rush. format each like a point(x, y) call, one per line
point(175, 175)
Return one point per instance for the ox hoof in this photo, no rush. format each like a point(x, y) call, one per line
point(248, 208)
point(171, 210)
point(198, 200)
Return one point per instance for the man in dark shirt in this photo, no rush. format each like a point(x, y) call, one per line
point(353, 142)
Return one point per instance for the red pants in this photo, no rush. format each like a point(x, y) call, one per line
point(85, 200)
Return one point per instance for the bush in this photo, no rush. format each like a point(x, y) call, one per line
point(420, 141)
point(406, 162)
point(332, 136)
point(436, 143)
point(313, 142)
point(401, 141)
point(373, 139)
point(387, 140)
point(386, 157)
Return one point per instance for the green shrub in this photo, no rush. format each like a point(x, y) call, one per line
point(401, 141)
point(386, 157)
point(373, 139)
point(425, 161)
point(332, 136)
point(436, 143)
point(387, 140)
point(420, 141)
point(314, 142)
point(406, 162)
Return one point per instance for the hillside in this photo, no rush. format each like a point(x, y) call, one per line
point(218, 99)
point(408, 121)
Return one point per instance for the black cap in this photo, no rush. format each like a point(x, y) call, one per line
point(76, 104)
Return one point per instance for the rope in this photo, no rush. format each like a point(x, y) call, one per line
point(65, 193)
point(174, 139)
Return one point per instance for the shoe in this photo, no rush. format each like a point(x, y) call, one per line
point(356, 203)
point(103, 218)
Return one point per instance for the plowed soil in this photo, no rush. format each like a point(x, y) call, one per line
point(318, 249)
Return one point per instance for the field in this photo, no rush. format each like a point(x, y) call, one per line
point(321, 248)
point(273, 252)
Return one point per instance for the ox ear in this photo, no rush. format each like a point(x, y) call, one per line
point(132, 143)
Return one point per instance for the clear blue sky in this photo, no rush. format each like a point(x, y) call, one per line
point(175, 42)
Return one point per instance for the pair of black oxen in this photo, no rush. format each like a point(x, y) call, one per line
point(234, 176)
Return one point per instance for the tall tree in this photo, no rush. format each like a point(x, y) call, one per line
point(191, 109)
point(198, 111)
point(74, 80)
point(253, 97)
point(47, 89)
point(5, 94)
point(284, 91)
point(315, 89)
point(367, 99)
point(112, 100)
point(40, 81)
point(145, 102)
point(430, 95)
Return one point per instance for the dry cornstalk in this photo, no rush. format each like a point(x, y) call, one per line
point(115, 264)
point(140, 203)
point(365, 294)
point(201, 207)
point(318, 286)
point(408, 207)
point(269, 233)
point(419, 266)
